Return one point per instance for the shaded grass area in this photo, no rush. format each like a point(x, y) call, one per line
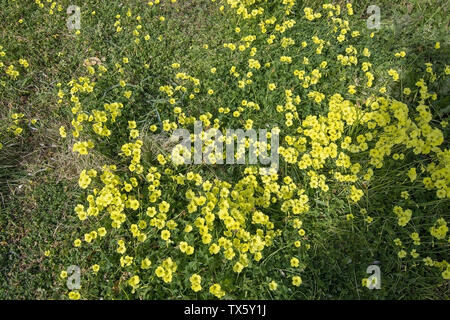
point(35, 222)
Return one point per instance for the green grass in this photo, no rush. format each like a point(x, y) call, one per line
point(39, 173)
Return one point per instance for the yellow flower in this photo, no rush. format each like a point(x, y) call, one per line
point(62, 132)
point(165, 235)
point(296, 281)
point(394, 74)
point(160, 272)
point(273, 286)
point(196, 287)
point(214, 249)
point(216, 290)
point(446, 273)
point(77, 243)
point(195, 280)
point(351, 89)
point(189, 250)
point(238, 267)
point(365, 282)
point(134, 281)
point(101, 231)
point(401, 254)
point(74, 295)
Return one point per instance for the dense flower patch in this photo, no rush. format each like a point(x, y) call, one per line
point(349, 128)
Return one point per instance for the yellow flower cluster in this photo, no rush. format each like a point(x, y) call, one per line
point(196, 280)
point(188, 213)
